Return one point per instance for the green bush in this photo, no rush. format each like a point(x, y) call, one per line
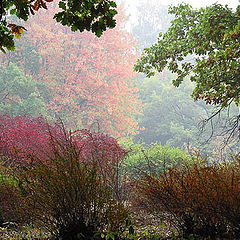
point(153, 158)
point(11, 202)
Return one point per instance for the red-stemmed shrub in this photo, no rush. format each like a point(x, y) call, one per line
point(203, 200)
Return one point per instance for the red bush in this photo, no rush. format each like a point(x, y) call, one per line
point(71, 196)
point(22, 137)
point(22, 134)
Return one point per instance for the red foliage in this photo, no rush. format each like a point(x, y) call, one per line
point(22, 136)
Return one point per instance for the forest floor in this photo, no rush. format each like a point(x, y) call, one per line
point(146, 227)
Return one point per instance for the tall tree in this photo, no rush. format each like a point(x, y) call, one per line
point(210, 36)
point(91, 79)
point(169, 115)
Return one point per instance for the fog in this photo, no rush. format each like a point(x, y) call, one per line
point(119, 130)
point(89, 82)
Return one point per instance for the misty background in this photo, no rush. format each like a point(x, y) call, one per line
point(90, 83)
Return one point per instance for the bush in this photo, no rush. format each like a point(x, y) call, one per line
point(68, 195)
point(202, 200)
point(22, 136)
point(153, 158)
point(11, 203)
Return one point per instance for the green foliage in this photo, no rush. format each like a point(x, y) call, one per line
point(153, 158)
point(94, 15)
point(26, 57)
point(19, 94)
point(210, 35)
point(170, 116)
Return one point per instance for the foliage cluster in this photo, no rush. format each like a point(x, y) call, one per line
point(20, 94)
point(95, 16)
point(153, 158)
point(22, 135)
point(210, 35)
point(202, 200)
point(86, 81)
point(169, 114)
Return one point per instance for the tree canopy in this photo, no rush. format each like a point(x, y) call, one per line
point(79, 78)
point(204, 44)
point(19, 94)
point(90, 15)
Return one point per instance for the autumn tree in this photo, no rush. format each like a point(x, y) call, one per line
point(94, 15)
point(91, 79)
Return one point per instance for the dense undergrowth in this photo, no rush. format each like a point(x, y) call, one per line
point(57, 184)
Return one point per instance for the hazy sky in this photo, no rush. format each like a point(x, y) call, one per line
point(130, 5)
point(195, 3)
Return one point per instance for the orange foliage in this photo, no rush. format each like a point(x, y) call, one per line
point(91, 79)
